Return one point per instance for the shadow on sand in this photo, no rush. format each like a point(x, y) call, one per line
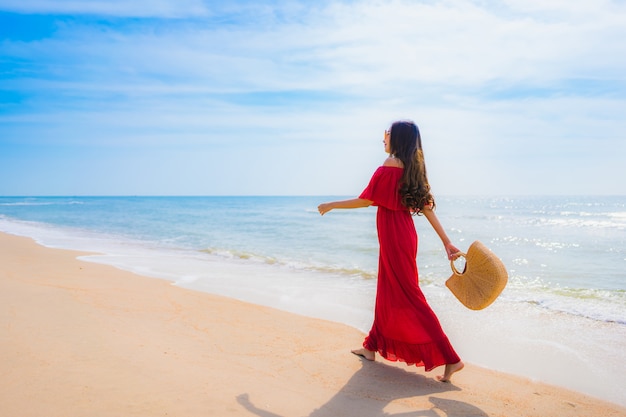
point(373, 387)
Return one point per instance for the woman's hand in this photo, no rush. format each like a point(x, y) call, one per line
point(452, 251)
point(324, 208)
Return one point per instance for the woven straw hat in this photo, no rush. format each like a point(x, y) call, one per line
point(482, 280)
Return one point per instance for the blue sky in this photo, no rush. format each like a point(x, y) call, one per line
point(192, 97)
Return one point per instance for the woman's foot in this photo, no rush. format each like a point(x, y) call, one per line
point(365, 354)
point(450, 369)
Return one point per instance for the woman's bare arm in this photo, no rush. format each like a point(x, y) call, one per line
point(451, 250)
point(344, 204)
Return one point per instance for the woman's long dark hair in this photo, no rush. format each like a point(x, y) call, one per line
point(405, 144)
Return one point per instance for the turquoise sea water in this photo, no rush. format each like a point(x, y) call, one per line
point(564, 306)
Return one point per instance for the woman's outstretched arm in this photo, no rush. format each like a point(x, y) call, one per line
point(344, 204)
point(451, 250)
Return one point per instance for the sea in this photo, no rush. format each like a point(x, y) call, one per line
point(561, 318)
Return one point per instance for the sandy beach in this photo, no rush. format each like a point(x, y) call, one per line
point(84, 339)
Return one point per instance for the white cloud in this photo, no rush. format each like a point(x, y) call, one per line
point(360, 44)
point(494, 85)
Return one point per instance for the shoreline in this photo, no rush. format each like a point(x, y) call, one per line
point(82, 338)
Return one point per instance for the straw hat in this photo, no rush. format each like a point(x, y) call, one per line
point(482, 280)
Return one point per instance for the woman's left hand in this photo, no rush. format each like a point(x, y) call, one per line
point(452, 251)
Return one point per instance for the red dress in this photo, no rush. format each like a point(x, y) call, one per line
point(405, 327)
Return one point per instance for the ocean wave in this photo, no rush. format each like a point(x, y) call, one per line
point(616, 222)
point(25, 203)
point(583, 218)
point(40, 203)
point(231, 254)
point(597, 304)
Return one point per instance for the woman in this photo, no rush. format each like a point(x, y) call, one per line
point(405, 327)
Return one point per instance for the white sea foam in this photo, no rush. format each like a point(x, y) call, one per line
point(38, 203)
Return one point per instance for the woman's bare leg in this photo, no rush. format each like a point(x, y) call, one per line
point(365, 354)
point(450, 369)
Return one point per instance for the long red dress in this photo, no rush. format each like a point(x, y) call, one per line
point(405, 327)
